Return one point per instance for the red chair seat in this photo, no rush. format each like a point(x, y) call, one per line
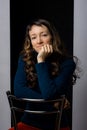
point(22, 126)
point(67, 128)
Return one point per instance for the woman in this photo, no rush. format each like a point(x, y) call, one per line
point(45, 70)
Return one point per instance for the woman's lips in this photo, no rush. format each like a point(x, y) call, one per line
point(39, 46)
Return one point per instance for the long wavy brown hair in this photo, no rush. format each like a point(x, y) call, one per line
point(29, 55)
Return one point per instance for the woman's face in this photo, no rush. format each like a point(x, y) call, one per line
point(39, 36)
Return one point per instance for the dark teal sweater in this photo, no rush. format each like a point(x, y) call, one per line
point(48, 88)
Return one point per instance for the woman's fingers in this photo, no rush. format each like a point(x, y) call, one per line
point(48, 48)
point(45, 51)
point(67, 104)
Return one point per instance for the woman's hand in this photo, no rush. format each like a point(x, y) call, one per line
point(45, 51)
point(66, 104)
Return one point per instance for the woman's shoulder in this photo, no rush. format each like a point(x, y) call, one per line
point(68, 61)
point(20, 59)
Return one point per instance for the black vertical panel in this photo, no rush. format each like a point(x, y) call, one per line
point(60, 12)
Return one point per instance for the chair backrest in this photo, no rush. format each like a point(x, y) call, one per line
point(60, 102)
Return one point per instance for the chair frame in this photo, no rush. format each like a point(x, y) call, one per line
point(13, 108)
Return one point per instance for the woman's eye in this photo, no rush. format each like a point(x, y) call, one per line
point(44, 34)
point(33, 38)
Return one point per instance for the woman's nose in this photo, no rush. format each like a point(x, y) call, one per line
point(39, 39)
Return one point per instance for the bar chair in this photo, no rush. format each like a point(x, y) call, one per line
point(14, 108)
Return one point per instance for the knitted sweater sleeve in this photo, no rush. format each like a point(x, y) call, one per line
point(20, 83)
point(49, 87)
